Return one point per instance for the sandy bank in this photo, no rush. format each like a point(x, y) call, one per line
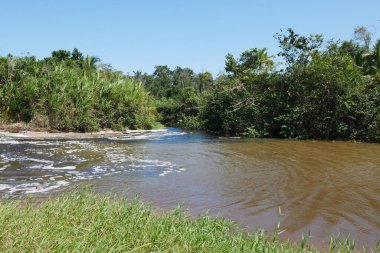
point(45, 134)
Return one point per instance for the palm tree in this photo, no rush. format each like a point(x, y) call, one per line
point(369, 61)
point(90, 62)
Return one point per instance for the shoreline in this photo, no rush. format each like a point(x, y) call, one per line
point(131, 224)
point(25, 131)
point(45, 133)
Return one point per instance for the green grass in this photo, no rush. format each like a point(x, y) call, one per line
point(86, 222)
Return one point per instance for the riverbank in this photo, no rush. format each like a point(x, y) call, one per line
point(24, 131)
point(85, 222)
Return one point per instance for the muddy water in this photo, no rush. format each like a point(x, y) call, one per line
point(323, 188)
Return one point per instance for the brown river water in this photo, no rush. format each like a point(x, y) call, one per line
point(322, 188)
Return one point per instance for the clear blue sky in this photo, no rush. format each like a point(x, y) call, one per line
point(139, 34)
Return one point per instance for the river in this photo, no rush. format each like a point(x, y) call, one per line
point(323, 188)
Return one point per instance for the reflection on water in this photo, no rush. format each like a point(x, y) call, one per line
point(322, 187)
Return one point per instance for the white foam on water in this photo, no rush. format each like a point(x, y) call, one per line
point(38, 160)
point(30, 188)
point(22, 187)
point(52, 167)
point(162, 174)
point(16, 158)
point(70, 167)
point(49, 188)
point(9, 141)
point(165, 167)
point(70, 151)
point(112, 158)
point(42, 143)
point(4, 187)
point(152, 135)
point(5, 167)
point(99, 169)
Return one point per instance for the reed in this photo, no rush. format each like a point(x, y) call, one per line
point(71, 97)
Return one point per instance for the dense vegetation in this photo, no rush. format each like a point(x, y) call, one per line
point(321, 91)
point(85, 222)
point(178, 94)
point(68, 91)
point(315, 89)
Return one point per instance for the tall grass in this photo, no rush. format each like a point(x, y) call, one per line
point(85, 222)
point(71, 97)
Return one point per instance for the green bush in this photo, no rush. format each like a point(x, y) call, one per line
point(71, 96)
point(322, 94)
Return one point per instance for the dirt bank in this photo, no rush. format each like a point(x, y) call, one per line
point(26, 132)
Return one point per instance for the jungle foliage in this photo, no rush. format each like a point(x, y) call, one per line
point(324, 91)
point(70, 92)
point(178, 94)
point(312, 89)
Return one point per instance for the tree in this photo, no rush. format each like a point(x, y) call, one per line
point(361, 34)
point(251, 62)
point(349, 47)
point(89, 62)
point(76, 55)
point(377, 55)
point(60, 55)
point(205, 80)
point(137, 75)
point(163, 75)
point(369, 60)
point(297, 49)
point(183, 77)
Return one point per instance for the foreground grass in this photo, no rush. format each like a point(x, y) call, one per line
point(85, 222)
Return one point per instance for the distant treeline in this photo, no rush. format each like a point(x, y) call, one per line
point(316, 90)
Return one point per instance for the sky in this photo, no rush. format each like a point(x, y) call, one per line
point(140, 34)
